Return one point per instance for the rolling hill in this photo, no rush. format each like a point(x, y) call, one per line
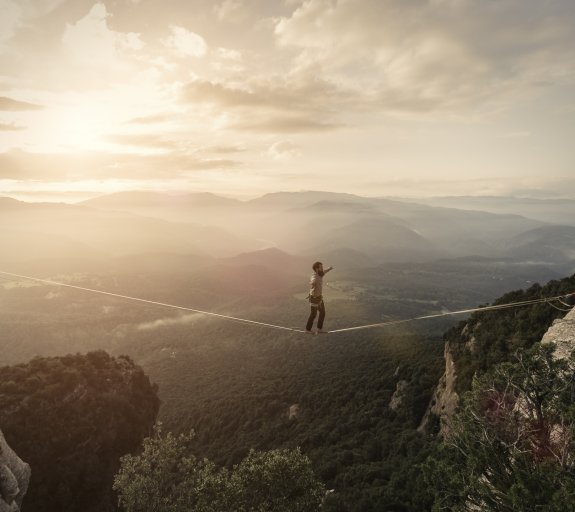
point(550, 245)
point(309, 223)
point(33, 231)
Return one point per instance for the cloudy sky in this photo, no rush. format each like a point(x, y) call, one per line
point(243, 97)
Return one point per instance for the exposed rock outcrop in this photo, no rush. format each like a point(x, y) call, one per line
point(562, 333)
point(397, 397)
point(14, 478)
point(445, 398)
point(293, 411)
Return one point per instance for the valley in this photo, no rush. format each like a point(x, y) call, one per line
point(235, 384)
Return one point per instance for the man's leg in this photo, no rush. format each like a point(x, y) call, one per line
point(311, 318)
point(321, 315)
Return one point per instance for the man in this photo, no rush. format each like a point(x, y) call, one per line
point(316, 298)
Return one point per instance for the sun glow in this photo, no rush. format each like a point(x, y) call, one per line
point(151, 93)
point(77, 125)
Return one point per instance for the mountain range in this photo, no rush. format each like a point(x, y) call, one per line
point(343, 229)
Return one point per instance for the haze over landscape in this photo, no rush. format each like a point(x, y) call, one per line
point(204, 154)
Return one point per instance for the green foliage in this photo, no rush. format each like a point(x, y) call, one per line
point(511, 444)
point(497, 335)
point(167, 477)
point(234, 384)
point(241, 394)
point(71, 418)
point(277, 480)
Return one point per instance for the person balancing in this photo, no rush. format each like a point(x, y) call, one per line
point(316, 299)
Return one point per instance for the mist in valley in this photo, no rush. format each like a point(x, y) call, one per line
point(238, 385)
point(169, 174)
point(252, 259)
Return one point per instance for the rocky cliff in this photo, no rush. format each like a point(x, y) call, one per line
point(445, 398)
point(14, 478)
point(562, 333)
point(399, 395)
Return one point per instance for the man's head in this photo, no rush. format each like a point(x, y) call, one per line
point(317, 267)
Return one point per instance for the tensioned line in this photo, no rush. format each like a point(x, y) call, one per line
point(449, 313)
point(292, 329)
point(163, 304)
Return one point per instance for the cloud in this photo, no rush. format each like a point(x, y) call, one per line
point(144, 140)
point(285, 124)
point(228, 54)
point(175, 143)
point(9, 104)
point(220, 94)
point(230, 10)
point(224, 150)
point(520, 134)
point(283, 150)
point(186, 43)
point(92, 37)
point(423, 55)
point(289, 94)
point(97, 54)
point(51, 167)
point(151, 119)
point(169, 321)
point(498, 186)
point(11, 19)
point(10, 127)
point(276, 104)
point(227, 61)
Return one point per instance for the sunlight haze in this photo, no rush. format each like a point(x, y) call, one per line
point(244, 97)
point(287, 255)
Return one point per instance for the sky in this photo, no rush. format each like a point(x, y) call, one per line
point(244, 97)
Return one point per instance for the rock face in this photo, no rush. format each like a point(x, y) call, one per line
point(562, 333)
point(445, 399)
point(293, 411)
point(14, 478)
point(397, 397)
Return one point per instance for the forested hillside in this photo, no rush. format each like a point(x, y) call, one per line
point(351, 402)
point(242, 387)
point(329, 396)
point(71, 418)
point(493, 337)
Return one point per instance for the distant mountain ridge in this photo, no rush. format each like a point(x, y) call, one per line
point(147, 199)
point(43, 230)
point(307, 224)
point(552, 210)
point(548, 244)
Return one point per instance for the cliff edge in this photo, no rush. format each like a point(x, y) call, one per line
point(445, 399)
point(14, 478)
point(562, 333)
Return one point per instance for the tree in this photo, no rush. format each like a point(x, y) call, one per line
point(72, 418)
point(166, 477)
point(277, 480)
point(511, 445)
